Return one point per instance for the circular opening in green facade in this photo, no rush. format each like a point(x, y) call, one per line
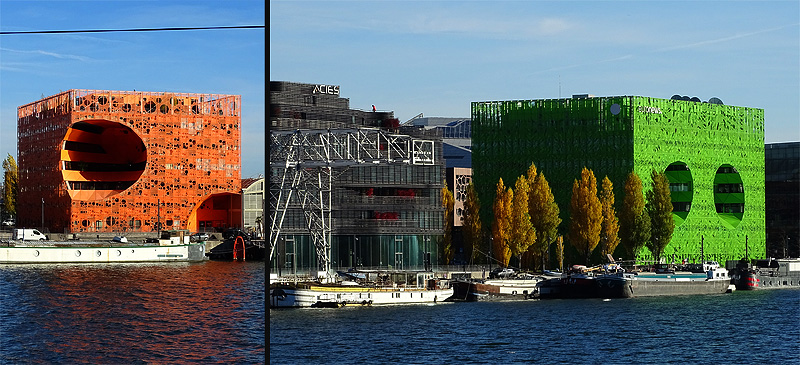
point(729, 195)
point(681, 188)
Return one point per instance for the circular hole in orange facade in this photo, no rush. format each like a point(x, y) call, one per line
point(102, 159)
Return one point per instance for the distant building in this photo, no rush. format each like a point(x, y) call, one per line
point(457, 148)
point(782, 161)
point(456, 138)
point(253, 198)
point(713, 155)
point(117, 161)
point(383, 215)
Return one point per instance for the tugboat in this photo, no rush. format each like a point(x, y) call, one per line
point(767, 274)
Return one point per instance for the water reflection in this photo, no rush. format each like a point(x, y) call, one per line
point(124, 313)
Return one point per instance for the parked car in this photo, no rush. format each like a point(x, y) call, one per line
point(232, 233)
point(28, 234)
point(502, 272)
point(199, 237)
point(9, 223)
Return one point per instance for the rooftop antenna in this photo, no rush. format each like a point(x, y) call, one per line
point(559, 86)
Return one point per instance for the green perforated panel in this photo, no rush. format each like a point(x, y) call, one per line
point(707, 137)
point(614, 135)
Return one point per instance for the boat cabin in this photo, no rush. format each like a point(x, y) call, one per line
point(174, 237)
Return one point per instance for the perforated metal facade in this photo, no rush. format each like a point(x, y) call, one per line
point(116, 161)
point(383, 215)
point(712, 153)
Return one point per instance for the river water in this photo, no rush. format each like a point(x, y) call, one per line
point(159, 313)
point(756, 327)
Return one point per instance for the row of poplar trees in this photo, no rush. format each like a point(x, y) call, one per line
point(526, 219)
point(645, 220)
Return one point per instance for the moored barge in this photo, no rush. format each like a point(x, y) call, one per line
point(767, 274)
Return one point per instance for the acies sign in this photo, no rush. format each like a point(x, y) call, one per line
point(326, 89)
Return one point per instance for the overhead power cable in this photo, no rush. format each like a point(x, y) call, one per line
point(129, 30)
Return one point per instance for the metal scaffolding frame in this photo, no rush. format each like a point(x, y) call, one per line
point(301, 164)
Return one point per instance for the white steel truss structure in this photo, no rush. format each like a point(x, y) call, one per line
point(302, 162)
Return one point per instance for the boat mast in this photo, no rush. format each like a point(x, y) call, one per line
point(702, 255)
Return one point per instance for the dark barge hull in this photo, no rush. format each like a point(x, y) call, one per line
point(757, 281)
point(568, 288)
point(641, 288)
point(614, 287)
point(472, 291)
point(767, 274)
point(629, 288)
point(225, 250)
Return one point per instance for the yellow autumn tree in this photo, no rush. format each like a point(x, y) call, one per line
point(523, 235)
point(447, 202)
point(609, 235)
point(531, 255)
point(586, 215)
point(560, 252)
point(502, 222)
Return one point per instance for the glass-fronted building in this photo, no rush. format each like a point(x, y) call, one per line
point(253, 208)
point(383, 216)
point(713, 155)
point(782, 190)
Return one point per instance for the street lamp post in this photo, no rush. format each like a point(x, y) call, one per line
point(427, 253)
point(491, 246)
point(278, 256)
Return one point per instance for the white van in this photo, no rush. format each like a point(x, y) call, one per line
point(28, 234)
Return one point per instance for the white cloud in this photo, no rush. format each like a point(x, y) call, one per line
point(724, 39)
point(46, 53)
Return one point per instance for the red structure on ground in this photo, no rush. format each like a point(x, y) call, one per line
point(117, 161)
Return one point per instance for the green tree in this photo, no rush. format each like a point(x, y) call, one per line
point(447, 244)
point(659, 210)
point(586, 214)
point(10, 185)
point(501, 226)
point(634, 224)
point(531, 255)
point(523, 235)
point(471, 222)
point(544, 215)
point(609, 235)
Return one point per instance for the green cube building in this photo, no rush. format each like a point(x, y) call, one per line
point(713, 155)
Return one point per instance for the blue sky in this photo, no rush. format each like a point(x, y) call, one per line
point(435, 57)
point(207, 61)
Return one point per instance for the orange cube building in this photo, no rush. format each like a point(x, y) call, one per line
point(122, 161)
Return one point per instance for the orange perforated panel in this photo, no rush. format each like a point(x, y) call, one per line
point(116, 161)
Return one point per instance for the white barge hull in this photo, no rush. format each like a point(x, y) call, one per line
point(338, 297)
point(46, 254)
